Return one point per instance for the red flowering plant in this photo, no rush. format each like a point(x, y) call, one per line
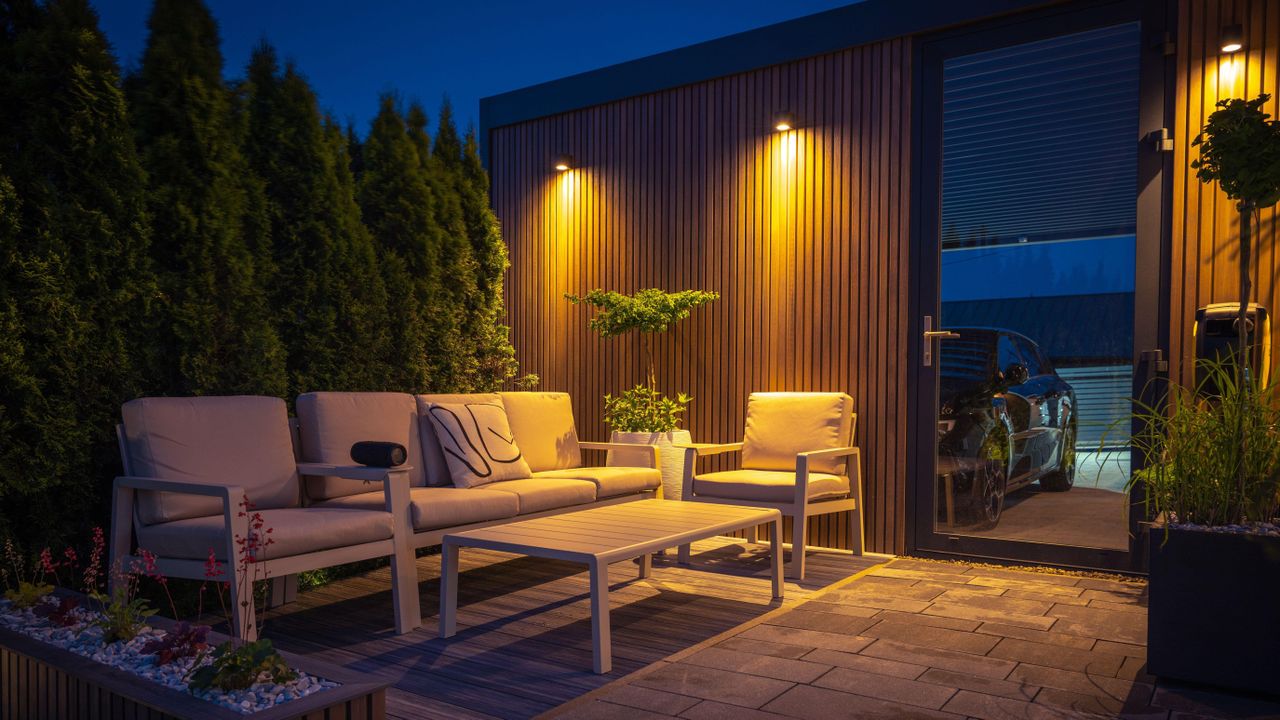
point(27, 587)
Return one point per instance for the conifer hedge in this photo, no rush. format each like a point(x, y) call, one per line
point(172, 233)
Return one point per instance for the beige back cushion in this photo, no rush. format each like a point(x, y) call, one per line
point(780, 425)
point(543, 425)
point(242, 440)
point(477, 442)
point(433, 462)
point(329, 423)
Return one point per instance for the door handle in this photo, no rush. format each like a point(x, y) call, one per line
point(926, 356)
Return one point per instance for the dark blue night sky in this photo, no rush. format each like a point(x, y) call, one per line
point(353, 51)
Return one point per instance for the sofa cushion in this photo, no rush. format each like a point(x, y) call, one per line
point(767, 485)
point(434, 466)
point(235, 440)
point(541, 494)
point(543, 425)
point(611, 481)
point(329, 423)
point(781, 425)
point(477, 442)
point(294, 531)
point(441, 507)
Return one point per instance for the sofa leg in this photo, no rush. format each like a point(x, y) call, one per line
point(796, 566)
point(284, 590)
point(682, 555)
point(855, 531)
point(753, 536)
point(404, 590)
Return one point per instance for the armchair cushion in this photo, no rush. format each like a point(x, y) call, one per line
point(780, 425)
point(611, 481)
point(768, 485)
point(329, 423)
point(542, 423)
point(295, 531)
point(546, 493)
point(477, 442)
point(440, 507)
point(434, 466)
point(235, 440)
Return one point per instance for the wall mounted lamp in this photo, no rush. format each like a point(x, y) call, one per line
point(1232, 38)
point(784, 121)
point(563, 162)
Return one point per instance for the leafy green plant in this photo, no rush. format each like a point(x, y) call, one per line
point(237, 666)
point(642, 408)
point(1195, 467)
point(27, 594)
point(122, 614)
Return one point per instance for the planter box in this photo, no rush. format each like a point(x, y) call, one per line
point(42, 681)
point(672, 456)
point(1214, 613)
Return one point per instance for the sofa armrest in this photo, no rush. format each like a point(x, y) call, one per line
point(233, 517)
point(352, 472)
point(177, 486)
point(654, 462)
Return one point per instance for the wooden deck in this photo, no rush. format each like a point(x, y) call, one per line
point(524, 640)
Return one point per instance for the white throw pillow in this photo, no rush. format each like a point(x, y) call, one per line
point(477, 443)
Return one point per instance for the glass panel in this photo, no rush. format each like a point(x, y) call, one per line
point(1039, 182)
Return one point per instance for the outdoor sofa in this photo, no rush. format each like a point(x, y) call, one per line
point(190, 464)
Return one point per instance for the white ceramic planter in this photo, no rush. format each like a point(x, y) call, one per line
point(672, 456)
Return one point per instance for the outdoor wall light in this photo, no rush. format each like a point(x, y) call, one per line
point(563, 162)
point(1232, 38)
point(783, 122)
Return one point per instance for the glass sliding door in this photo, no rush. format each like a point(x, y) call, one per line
point(1028, 344)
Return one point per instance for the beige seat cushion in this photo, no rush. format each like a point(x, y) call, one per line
point(294, 531)
point(433, 462)
point(541, 494)
point(329, 423)
point(477, 443)
point(441, 507)
point(781, 425)
point(235, 440)
point(543, 425)
point(768, 485)
point(611, 481)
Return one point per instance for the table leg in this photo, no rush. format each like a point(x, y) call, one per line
point(646, 565)
point(775, 546)
point(603, 646)
point(448, 590)
point(683, 556)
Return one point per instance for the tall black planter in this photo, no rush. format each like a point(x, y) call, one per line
point(1214, 610)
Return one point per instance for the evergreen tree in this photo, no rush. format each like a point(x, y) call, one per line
point(74, 277)
point(327, 291)
point(208, 212)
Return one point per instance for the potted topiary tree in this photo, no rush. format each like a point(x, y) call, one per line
point(1211, 465)
point(643, 414)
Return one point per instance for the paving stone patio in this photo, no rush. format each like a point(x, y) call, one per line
point(922, 639)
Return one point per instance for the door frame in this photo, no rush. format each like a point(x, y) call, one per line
point(1153, 242)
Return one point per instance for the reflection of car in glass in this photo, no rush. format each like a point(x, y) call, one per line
point(1005, 420)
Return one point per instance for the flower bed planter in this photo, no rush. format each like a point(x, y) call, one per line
point(40, 680)
point(1213, 616)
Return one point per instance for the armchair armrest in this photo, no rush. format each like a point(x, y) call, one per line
point(802, 470)
point(693, 451)
point(657, 456)
point(122, 510)
point(351, 472)
point(828, 453)
point(177, 486)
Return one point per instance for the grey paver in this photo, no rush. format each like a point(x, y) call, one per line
point(807, 638)
point(813, 703)
point(1101, 624)
point(936, 637)
point(1041, 636)
point(825, 622)
point(658, 701)
point(712, 684)
point(935, 657)
point(799, 671)
point(866, 663)
point(711, 710)
point(969, 611)
point(935, 620)
point(1082, 683)
point(899, 690)
point(990, 686)
point(1057, 656)
point(603, 710)
point(991, 707)
point(763, 647)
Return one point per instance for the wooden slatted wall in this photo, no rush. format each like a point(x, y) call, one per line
point(1205, 224)
point(804, 234)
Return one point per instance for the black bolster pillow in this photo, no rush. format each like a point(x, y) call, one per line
point(379, 454)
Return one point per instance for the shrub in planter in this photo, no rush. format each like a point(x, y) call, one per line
point(1212, 485)
point(643, 415)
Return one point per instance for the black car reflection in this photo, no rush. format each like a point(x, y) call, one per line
point(1005, 420)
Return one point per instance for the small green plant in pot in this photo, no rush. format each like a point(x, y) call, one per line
point(643, 414)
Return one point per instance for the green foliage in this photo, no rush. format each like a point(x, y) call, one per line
point(27, 594)
point(1240, 149)
point(122, 614)
point(238, 666)
point(643, 409)
point(1197, 470)
point(649, 311)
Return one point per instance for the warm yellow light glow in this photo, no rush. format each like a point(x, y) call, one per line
point(783, 122)
point(1229, 73)
point(1232, 47)
point(563, 162)
point(782, 127)
point(1232, 39)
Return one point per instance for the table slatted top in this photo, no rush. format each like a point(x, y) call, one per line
point(614, 532)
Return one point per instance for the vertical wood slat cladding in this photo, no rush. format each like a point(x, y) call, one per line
point(804, 234)
point(1204, 257)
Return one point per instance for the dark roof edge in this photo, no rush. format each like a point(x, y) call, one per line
point(788, 41)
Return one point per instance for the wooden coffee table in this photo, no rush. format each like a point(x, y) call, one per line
point(600, 536)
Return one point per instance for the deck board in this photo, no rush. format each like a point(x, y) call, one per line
point(524, 640)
